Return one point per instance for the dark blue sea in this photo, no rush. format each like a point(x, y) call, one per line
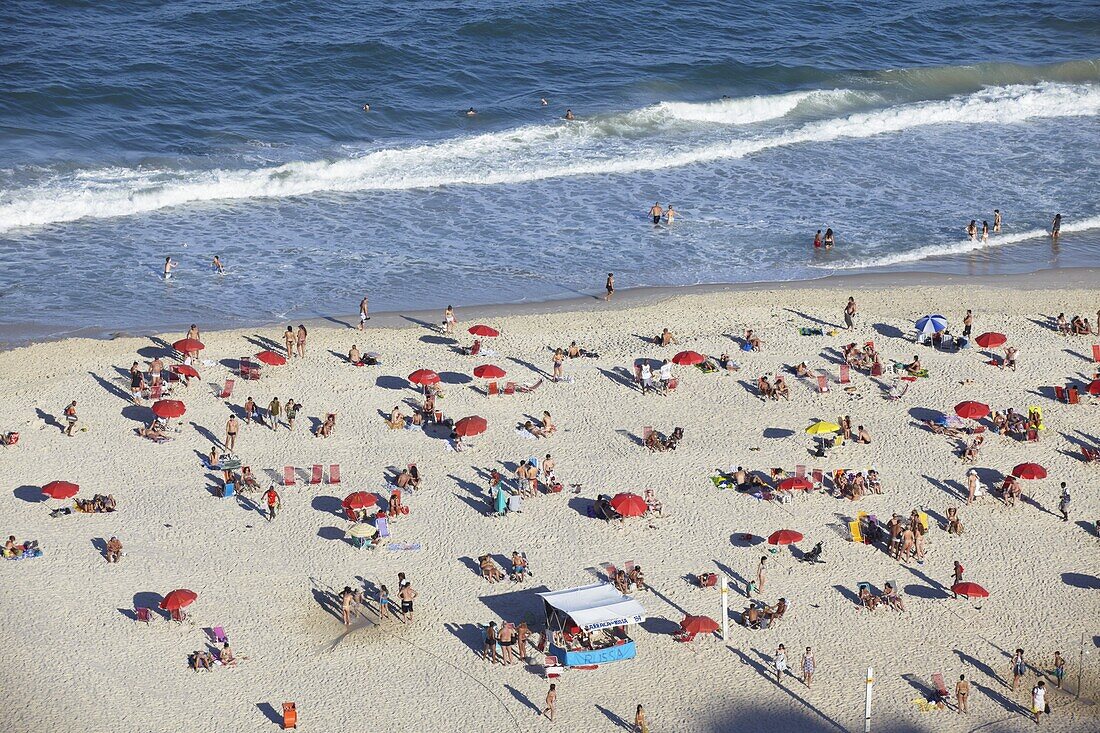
point(134, 131)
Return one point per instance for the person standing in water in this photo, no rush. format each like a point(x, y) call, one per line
point(985, 231)
point(817, 240)
point(670, 215)
point(656, 211)
point(569, 115)
point(610, 285)
point(996, 221)
point(829, 238)
point(169, 265)
point(1056, 226)
point(972, 229)
point(218, 265)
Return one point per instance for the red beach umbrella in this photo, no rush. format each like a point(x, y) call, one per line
point(688, 358)
point(698, 625)
point(1094, 387)
point(484, 331)
point(971, 410)
point(186, 370)
point(969, 590)
point(991, 340)
point(424, 377)
point(1029, 471)
point(60, 490)
point(489, 371)
point(186, 345)
point(784, 537)
point(169, 409)
point(796, 483)
point(629, 505)
point(271, 358)
point(472, 425)
point(359, 500)
point(177, 599)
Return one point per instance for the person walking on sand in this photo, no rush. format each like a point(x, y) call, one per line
point(968, 323)
point(640, 725)
point(274, 411)
point(449, 320)
point(850, 313)
point(780, 663)
point(70, 419)
point(169, 265)
point(962, 693)
point(289, 339)
point(808, 665)
point(363, 314)
point(1059, 669)
point(407, 596)
point(301, 339)
point(996, 221)
point(231, 428)
point(1019, 668)
point(610, 285)
point(271, 497)
point(1063, 503)
point(656, 211)
point(551, 708)
point(347, 598)
point(1039, 700)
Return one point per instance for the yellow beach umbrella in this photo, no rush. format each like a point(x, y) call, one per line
point(364, 531)
point(822, 428)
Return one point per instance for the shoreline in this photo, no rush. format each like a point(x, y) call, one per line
point(21, 336)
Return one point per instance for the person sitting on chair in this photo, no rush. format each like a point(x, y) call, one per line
point(637, 578)
point(750, 617)
point(775, 613)
point(489, 569)
point(867, 600)
point(802, 370)
point(892, 598)
point(753, 341)
point(653, 442)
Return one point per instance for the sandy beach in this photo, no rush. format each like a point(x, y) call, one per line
point(77, 660)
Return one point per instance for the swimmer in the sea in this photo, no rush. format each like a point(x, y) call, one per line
point(670, 214)
point(996, 220)
point(471, 112)
point(544, 102)
point(569, 114)
point(656, 211)
point(366, 108)
point(218, 266)
point(169, 265)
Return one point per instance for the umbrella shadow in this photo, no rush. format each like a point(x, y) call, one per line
point(328, 505)
point(31, 494)
point(887, 331)
point(332, 533)
point(150, 600)
point(1081, 580)
point(660, 625)
point(391, 382)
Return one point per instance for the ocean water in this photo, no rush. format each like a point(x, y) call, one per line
point(132, 131)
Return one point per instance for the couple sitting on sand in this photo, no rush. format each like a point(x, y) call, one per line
point(659, 444)
point(762, 617)
point(769, 391)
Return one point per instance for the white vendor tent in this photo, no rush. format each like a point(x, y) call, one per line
point(591, 607)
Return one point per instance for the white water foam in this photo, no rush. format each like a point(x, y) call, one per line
point(749, 110)
point(958, 248)
point(516, 156)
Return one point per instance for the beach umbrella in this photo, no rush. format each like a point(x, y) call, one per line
point(489, 371)
point(688, 358)
point(784, 537)
point(971, 410)
point(796, 483)
point(359, 500)
point(169, 409)
point(424, 377)
point(187, 345)
point(991, 340)
point(472, 425)
point(698, 625)
point(484, 331)
point(361, 530)
point(271, 358)
point(969, 590)
point(60, 489)
point(931, 324)
point(629, 505)
point(185, 369)
point(1029, 471)
point(1094, 387)
point(822, 427)
point(177, 599)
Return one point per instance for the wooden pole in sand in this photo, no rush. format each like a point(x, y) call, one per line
point(867, 704)
point(724, 585)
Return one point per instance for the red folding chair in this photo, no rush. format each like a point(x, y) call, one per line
point(334, 473)
point(316, 474)
point(142, 614)
point(800, 472)
point(289, 479)
point(1060, 393)
point(822, 383)
point(876, 369)
point(1073, 396)
point(509, 388)
point(1096, 352)
point(845, 374)
point(227, 390)
point(491, 390)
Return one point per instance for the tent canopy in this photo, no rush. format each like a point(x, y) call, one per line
point(592, 607)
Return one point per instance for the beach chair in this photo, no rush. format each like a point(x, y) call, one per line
point(1073, 397)
point(334, 473)
point(1090, 456)
point(923, 516)
point(316, 474)
point(609, 571)
point(855, 531)
point(800, 472)
point(227, 390)
point(156, 391)
point(475, 349)
point(898, 390)
point(509, 389)
point(1060, 393)
point(289, 479)
point(864, 604)
point(818, 477)
point(1096, 352)
point(551, 669)
point(628, 568)
point(218, 635)
point(822, 383)
point(942, 695)
point(647, 430)
point(290, 715)
point(672, 384)
point(143, 615)
point(491, 390)
point(845, 374)
point(876, 369)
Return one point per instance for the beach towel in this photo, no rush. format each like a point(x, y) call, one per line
point(722, 482)
point(810, 331)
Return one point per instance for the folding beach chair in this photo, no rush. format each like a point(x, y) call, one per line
point(651, 501)
point(845, 374)
point(290, 715)
point(876, 369)
point(509, 389)
point(1096, 352)
point(227, 390)
point(818, 477)
point(289, 479)
point(316, 475)
point(609, 571)
point(156, 391)
point(218, 635)
point(1090, 456)
point(142, 614)
point(855, 531)
point(1073, 397)
point(672, 384)
point(334, 473)
point(491, 390)
point(942, 695)
point(862, 603)
point(800, 472)
point(1060, 393)
point(551, 669)
point(822, 383)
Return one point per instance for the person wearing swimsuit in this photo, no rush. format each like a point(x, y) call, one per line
point(610, 286)
point(817, 239)
point(828, 238)
point(656, 211)
point(1056, 226)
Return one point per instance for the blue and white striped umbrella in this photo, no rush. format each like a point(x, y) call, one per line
point(931, 324)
